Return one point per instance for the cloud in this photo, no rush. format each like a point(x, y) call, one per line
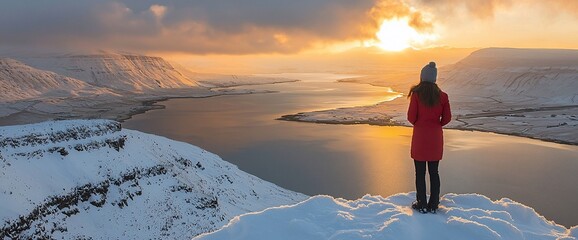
point(194, 26)
point(449, 9)
point(484, 9)
point(158, 11)
point(389, 9)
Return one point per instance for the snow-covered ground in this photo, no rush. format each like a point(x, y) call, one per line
point(93, 179)
point(525, 92)
point(461, 216)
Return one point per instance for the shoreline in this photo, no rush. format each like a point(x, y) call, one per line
point(148, 105)
point(392, 123)
point(151, 104)
point(125, 107)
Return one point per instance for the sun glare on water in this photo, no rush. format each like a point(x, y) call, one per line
point(397, 35)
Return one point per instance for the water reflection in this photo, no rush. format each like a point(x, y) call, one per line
point(386, 163)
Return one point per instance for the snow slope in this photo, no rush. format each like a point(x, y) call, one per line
point(93, 179)
point(463, 216)
point(539, 76)
point(129, 72)
point(19, 81)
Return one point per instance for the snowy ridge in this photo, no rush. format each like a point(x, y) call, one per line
point(19, 81)
point(537, 75)
point(93, 179)
point(461, 216)
point(134, 73)
point(41, 134)
point(521, 57)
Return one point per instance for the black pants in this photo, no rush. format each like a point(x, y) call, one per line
point(434, 180)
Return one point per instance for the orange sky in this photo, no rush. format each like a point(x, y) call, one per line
point(454, 24)
point(514, 23)
point(450, 24)
point(210, 31)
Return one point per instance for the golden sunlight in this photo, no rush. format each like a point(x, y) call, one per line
point(397, 35)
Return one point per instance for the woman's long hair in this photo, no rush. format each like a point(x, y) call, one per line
point(428, 93)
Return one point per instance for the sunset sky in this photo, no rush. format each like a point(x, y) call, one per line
point(247, 27)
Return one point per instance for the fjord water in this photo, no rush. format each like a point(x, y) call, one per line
point(352, 160)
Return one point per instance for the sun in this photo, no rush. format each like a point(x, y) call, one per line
point(396, 35)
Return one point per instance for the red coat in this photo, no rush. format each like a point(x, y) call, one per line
point(427, 142)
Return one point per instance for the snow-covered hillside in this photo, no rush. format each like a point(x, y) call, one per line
point(537, 76)
point(461, 216)
point(129, 72)
point(93, 179)
point(19, 81)
point(527, 92)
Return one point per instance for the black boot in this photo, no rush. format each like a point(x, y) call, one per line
point(432, 206)
point(419, 206)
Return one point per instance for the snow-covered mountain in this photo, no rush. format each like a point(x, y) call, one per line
point(19, 81)
point(129, 72)
point(544, 76)
point(461, 216)
point(93, 179)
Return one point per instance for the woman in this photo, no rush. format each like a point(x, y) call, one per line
point(429, 110)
